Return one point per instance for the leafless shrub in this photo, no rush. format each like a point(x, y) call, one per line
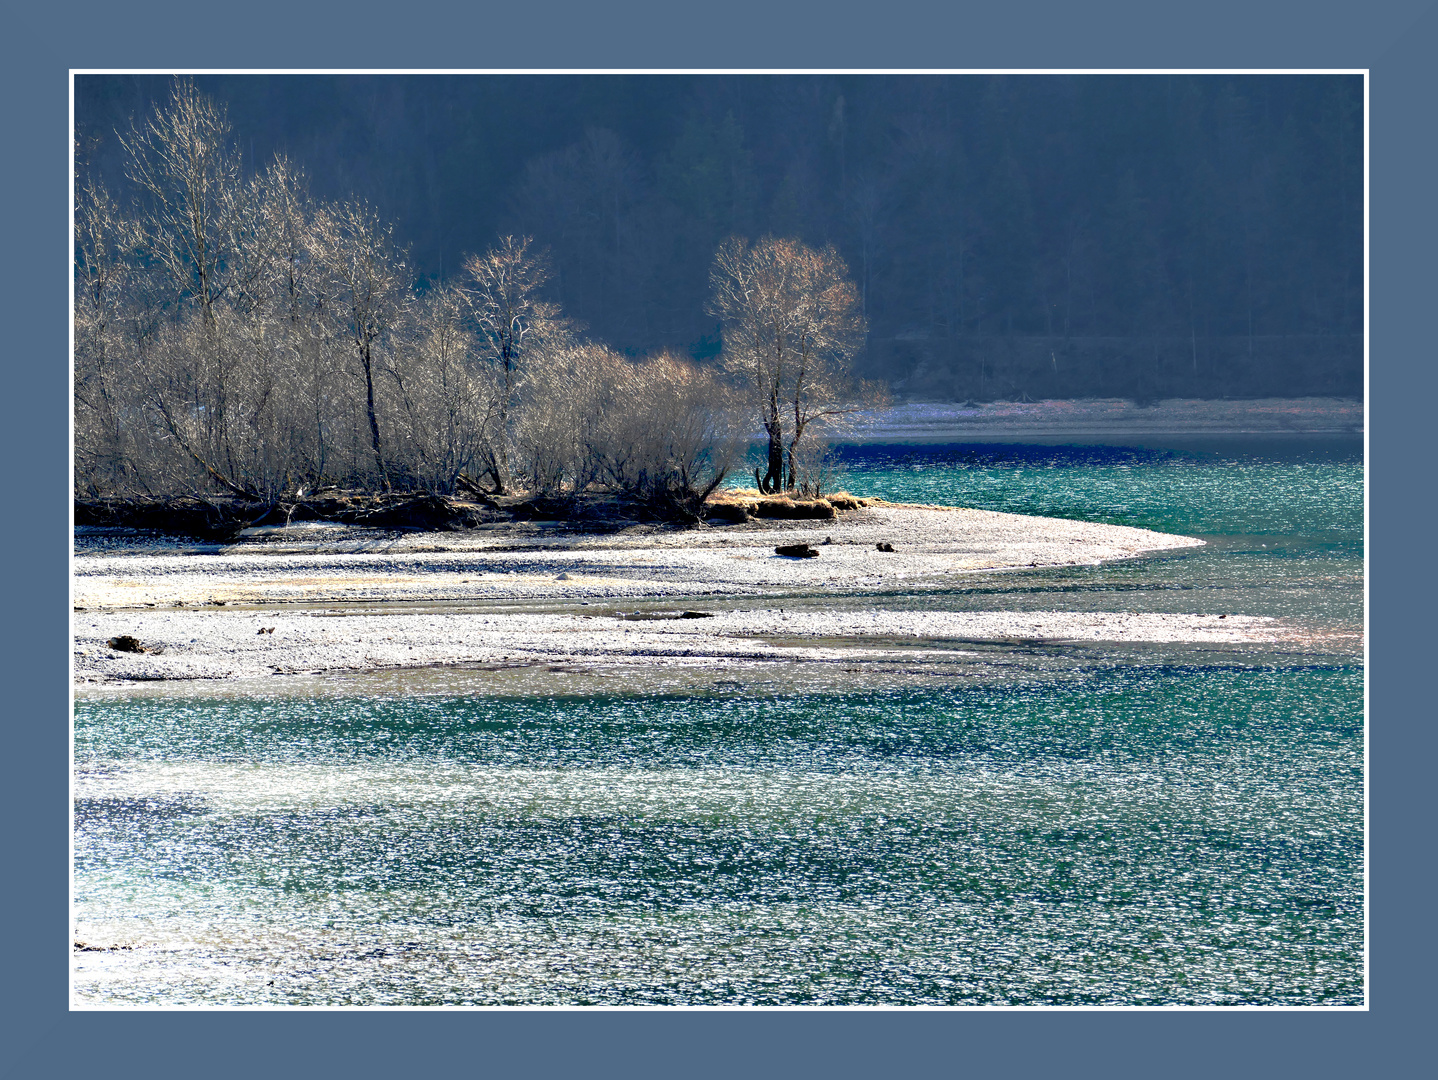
point(660, 430)
point(675, 437)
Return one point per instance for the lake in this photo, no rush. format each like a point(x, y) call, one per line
point(1053, 824)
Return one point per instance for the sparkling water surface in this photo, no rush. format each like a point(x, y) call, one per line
point(1100, 825)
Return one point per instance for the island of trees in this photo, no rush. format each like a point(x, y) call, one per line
point(248, 348)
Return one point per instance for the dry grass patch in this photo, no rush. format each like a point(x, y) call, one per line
point(741, 504)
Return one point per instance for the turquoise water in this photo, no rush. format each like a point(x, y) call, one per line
point(1105, 825)
point(1303, 491)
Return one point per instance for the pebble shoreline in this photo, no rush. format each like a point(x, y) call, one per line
point(335, 599)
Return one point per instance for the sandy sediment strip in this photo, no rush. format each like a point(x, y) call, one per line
point(308, 566)
point(230, 645)
point(278, 604)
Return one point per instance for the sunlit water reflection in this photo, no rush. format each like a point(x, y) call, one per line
point(1037, 825)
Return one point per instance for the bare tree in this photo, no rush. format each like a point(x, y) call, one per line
point(181, 161)
point(448, 398)
point(105, 242)
point(359, 253)
point(301, 300)
point(792, 324)
point(513, 322)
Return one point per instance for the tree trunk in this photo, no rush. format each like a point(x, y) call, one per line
point(794, 452)
point(773, 480)
point(373, 420)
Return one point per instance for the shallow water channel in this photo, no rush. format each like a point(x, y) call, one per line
point(1021, 823)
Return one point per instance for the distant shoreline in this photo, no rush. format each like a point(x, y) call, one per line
point(1108, 417)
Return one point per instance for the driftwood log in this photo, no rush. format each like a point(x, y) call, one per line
point(796, 551)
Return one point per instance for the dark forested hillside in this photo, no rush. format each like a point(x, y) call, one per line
point(1009, 236)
